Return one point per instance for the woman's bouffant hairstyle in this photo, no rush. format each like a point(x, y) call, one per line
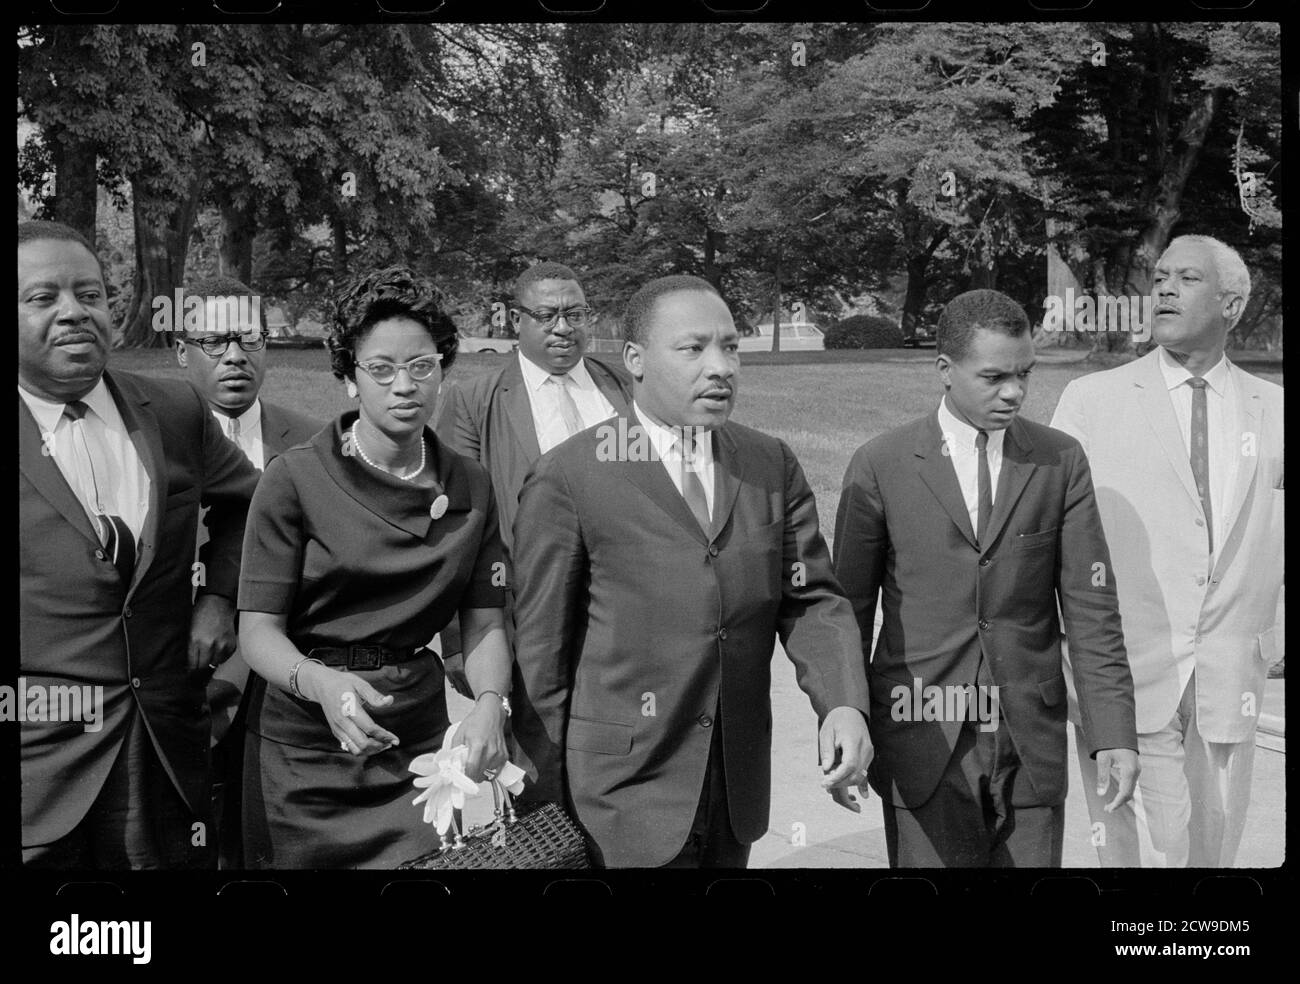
point(393, 292)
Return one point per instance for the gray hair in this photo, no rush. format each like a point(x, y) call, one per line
point(1231, 268)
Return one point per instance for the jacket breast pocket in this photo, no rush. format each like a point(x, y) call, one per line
point(1036, 541)
point(601, 737)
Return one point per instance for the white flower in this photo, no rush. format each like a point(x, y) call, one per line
point(441, 776)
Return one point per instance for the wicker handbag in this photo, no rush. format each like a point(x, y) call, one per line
point(543, 837)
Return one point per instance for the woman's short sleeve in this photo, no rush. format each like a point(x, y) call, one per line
point(271, 568)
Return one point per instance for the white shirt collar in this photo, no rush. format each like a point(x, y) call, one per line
point(664, 438)
point(1177, 374)
point(249, 419)
point(535, 376)
point(963, 434)
point(47, 412)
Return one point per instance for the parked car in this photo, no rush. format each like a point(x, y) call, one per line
point(493, 346)
point(795, 337)
point(922, 336)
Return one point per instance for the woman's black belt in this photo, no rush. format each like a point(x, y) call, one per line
point(363, 657)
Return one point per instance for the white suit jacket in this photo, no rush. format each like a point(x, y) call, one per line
point(1179, 615)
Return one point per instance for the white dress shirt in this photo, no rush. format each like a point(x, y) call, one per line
point(667, 447)
point(959, 439)
point(545, 401)
point(1222, 425)
point(124, 491)
point(250, 433)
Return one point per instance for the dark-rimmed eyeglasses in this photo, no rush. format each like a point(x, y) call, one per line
point(385, 372)
point(217, 344)
point(574, 317)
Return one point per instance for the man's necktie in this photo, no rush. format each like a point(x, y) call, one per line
point(692, 485)
point(568, 409)
point(984, 507)
point(234, 429)
point(118, 540)
point(1200, 452)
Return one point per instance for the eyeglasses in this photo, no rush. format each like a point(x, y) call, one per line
point(385, 372)
point(217, 344)
point(574, 317)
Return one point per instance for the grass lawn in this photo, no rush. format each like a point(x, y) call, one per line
point(823, 411)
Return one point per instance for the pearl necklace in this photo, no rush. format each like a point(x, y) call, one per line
point(366, 458)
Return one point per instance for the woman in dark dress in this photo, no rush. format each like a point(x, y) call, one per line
point(361, 544)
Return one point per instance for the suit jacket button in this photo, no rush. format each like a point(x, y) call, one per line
point(100, 555)
point(713, 550)
point(722, 633)
point(1200, 522)
point(126, 612)
point(135, 682)
point(706, 721)
point(984, 623)
point(984, 562)
point(1200, 579)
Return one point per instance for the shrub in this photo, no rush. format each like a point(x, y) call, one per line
point(864, 331)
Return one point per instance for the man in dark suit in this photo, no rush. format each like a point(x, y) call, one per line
point(506, 419)
point(113, 468)
point(222, 348)
point(657, 559)
point(974, 524)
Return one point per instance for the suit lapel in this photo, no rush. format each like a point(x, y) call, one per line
point(275, 433)
point(44, 474)
point(1250, 417)
point(940, 478)
point(651, 477)
point(142, 428)
point(607, 383)
point(728, 474)
point(519, 411)
point(1012, 479)
point(1158, 411)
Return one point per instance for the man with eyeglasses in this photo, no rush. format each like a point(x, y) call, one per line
point(113, 469)
point(223, 352)
point(508, 418)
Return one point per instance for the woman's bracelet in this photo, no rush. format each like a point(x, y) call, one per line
point(293, 676)
point(505, 701)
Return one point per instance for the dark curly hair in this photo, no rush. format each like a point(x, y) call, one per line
point(393, 292)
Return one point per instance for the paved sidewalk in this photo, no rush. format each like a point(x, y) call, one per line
point(808, 830)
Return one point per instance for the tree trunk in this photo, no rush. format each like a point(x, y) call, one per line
point(340, 248)
point(918, 263)
point(1166, 207)
point(238, 227)
point(76, 184)
point(776, 302)
point(160, 253)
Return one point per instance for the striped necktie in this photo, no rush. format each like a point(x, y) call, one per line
point(116, 536)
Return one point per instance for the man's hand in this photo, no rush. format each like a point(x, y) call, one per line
point(212, 631)
point(1123, 763)
point(453, 666)
point(846, 752)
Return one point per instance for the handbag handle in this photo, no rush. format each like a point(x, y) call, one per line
point(503, 807)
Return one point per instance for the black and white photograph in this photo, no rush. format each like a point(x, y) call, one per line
point(582, 445)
